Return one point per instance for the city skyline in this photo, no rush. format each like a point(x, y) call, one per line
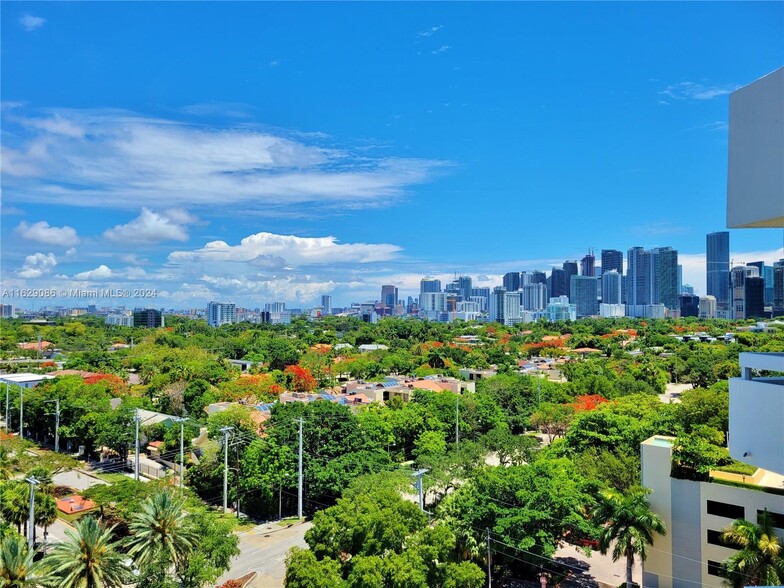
point(255, 166)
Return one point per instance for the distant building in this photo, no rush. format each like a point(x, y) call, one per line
point(583, 293)
point(612, 310)
point(464, 287)
point(778, 288)
point(148, 318)
point(570, 269)
point(717, 268)
point(511, 281)
point(429, 285)
point(612, 285)
point(326, 304)
point(275, 306)
point(690, 305)
point(504, 307)
point(754, 297)
point(664, 277)
point(534, 297)
point(221, 313)
point(6, 311)
point(557, 285)
point(612, 259)
point(389, 296)
point(120, 319)
point(707, 308)
point(588, 265)
point(559, 309)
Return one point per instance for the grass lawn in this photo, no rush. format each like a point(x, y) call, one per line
point(111, 477)
point(288, 521)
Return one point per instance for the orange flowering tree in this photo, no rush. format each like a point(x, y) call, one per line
point(588, 402)
point(300, 379)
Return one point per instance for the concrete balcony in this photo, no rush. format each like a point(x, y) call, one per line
point(756, 433)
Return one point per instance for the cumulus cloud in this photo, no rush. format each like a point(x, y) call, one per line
point(102, 272)
point(429, 32)
point(152, 227)
point(30, 22)
point(280, 250)
point(117, 159)
point(43, 233)
point(37, 265)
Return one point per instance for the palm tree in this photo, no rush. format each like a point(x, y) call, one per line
point(17, 569)
point(760, 559)
point(161, 530)
point(628, 526)
point(88, 558)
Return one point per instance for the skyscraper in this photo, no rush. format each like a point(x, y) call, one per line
point(464, 287)
point(584, 296)
point(428, 286)
point(612, 288)
point(754, 297)
point(504, 306)
point(570, 269)
point(612, 259)
point(588, 265)
point(389, 296)
point(326, 304)
point(778, 288)
point(717, 268)
point(538, 277)
point(738, 277)
point(557, 285)
point(512, 281)
point(534, 297)
point(637, 278)
point(664, 277)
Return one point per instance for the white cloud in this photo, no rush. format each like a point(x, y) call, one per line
point(696, 91)
point(441, 49)
point(37, 265)
point(70, 252)
point(43, 233)
point(269, 249)
point(116, 159)
point(30, 22)
point(429, 32)
point(152, 227)
point(102, 272)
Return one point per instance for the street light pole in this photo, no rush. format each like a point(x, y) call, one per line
point(489, 574)
point(299, 469)
point(136, 419)
point(31, 522)
point(21, 412)
point(182, 420)
point(56, 423)
point(225, 431)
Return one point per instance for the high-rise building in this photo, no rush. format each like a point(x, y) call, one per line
point(275, 306)
point(778, 288)
point(558, 285)
point(429, 285)
point(584, 296)
point(534, 297)
point(690, 305)
point(570, 269)
point(326, 304)
point(504, 306)
point(389, 296)
point(538, 277)
point(6, 311)
point(611, 287)
point(738, 276)
point(221, 313)
point(464, 287)
point(717, 268)
point(612, 259)
point(664, 277)
point(588, 265)
point(766, 273)
point(707, 308)
point(148, 318)
point(638, 274)
point(754, 297)
point(511, 281)
point(559, 309)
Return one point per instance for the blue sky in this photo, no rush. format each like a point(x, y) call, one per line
point(277, 151)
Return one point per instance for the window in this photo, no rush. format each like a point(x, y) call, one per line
point(722, 509)
point(714, 538)
point(714, 568)
point(778, 519)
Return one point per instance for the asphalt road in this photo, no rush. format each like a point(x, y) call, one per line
point(263, 550)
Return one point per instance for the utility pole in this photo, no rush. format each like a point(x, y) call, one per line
point(136, 456)
point(420, 487)
point(489, 573)
point(457, 421)
point(299, 470)
point(7, 418)
point(56, 423)
point(182, 420)
point(21, 412)
point(31, 522)
point(225, 431)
